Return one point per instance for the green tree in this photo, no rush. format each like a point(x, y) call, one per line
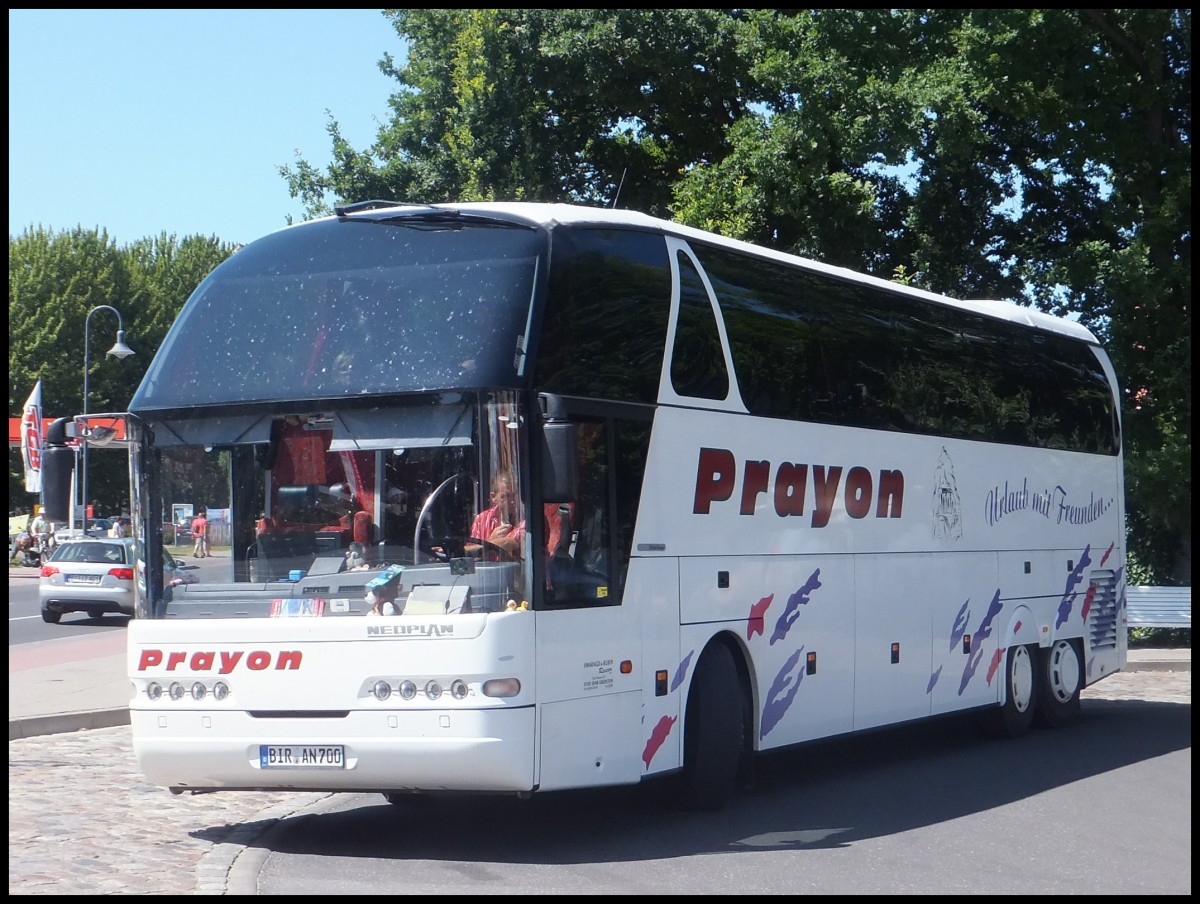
point(1042, 156)
point(543, 105)
point(54, 281)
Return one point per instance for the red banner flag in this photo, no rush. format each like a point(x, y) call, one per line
point(31, 440)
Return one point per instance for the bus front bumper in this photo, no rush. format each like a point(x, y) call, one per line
point(429, 751)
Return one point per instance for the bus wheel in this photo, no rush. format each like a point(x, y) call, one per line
point(1060, 674)
point(713, 731)
point(1013, 718)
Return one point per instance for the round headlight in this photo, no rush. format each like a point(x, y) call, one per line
point(433, 690)
point(220, 690)
point(382, 690)
point(198, 691)
point(176, 691)
point(154, 690)
point(458, 689)
point(408, 690)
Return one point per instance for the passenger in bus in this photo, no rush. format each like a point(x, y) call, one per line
point(500, 524)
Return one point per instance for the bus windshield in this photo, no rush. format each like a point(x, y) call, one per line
point(349, 510)
point(332, 308)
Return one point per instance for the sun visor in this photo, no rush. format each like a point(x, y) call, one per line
point(401, 428)
point(212, 431)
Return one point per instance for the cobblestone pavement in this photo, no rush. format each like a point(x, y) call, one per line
point(83, 820)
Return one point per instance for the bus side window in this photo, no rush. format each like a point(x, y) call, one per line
point(579, 567)
point(591, 548)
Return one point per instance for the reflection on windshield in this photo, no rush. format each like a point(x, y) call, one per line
point(328, 309)
point(332, 503)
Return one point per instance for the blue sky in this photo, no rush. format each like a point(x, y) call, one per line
point(149, 121)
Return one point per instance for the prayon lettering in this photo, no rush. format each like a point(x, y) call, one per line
point(787, 485)
point(222, 662)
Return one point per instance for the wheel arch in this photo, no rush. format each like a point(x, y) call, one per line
point(1023, 627)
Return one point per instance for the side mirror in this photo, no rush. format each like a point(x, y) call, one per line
point(58, 471)
point(102, 429)
point(560, 440)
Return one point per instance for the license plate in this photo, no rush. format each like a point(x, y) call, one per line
point(301, 756)
point(83, 579)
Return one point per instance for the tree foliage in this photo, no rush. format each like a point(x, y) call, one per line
point(1042, 156)
point(55, 280)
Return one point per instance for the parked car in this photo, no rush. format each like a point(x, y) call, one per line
point(175, 572)
point(96, 527)
point(176, 534)
point(92, 575)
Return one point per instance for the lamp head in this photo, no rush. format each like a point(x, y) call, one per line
point(120, 349)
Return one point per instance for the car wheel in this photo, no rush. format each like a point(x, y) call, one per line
point(50, 617)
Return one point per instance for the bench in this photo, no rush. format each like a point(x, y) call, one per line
point(1159, 607)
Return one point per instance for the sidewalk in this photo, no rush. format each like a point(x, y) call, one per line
point(60, 686)
point(68, 685)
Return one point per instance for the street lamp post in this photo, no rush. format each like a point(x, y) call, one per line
point(119, 350)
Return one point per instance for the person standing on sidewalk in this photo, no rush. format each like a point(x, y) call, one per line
point(199, 535)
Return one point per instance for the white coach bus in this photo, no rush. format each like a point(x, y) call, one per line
point(746, 501)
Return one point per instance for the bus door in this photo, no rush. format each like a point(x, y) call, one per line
point(588, 627)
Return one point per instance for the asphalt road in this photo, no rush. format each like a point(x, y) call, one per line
point(1100, 807)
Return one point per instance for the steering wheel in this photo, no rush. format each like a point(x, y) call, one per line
point(456, 547)
point(424, 538)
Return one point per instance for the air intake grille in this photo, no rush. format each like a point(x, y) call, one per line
point(1102, 619)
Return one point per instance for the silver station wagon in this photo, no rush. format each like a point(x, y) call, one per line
point(92, 575)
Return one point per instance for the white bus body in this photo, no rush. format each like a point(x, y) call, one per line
point(776, 579)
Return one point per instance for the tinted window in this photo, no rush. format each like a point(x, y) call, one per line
point(605, 322)
point(811, 346)
point(697, 363)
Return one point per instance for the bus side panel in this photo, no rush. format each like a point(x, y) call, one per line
point(967, 633)
point(1030, 573)
point(892, 633)
point(591, 742)
point(796, 616)
point(652, 588)
point(592, 730)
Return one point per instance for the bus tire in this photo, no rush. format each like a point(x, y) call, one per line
point(1060, 674)
point(1014, 716)
point(713, 732)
